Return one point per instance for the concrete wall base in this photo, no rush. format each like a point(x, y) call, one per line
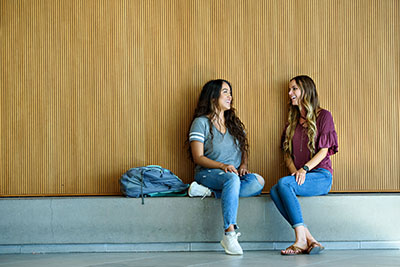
point(181, 247)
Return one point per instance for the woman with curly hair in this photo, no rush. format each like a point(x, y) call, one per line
point(219, 148)
point(308, 141)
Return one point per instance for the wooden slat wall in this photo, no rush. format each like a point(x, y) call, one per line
point(92, 88)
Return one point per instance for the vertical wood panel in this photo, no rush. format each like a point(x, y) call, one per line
point(92, 88)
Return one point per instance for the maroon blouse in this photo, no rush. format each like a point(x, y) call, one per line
point(326, 138)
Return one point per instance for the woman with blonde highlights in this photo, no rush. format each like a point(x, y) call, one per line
point(308, 141)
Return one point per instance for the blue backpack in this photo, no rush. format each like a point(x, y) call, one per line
point(151, 180)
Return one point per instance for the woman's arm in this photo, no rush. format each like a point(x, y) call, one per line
point(199, 158)
point(314, 161)
point(243, 165)
point(289, 163)
point(317, 158)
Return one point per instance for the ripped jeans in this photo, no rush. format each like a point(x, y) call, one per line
point(229, 187)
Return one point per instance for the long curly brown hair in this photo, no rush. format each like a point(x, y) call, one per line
point(207, 105)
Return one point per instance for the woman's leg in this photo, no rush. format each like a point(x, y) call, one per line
point(318, 182)
point(229, 185)
point(286, 192)
point(278, 203)
point(251, 185)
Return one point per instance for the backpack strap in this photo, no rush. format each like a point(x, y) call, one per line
point(141, 183)
point(145, 169)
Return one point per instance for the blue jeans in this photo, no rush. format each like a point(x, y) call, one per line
point(318, 182)
point(229, 187)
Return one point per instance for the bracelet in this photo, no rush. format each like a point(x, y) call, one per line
point(305, 167)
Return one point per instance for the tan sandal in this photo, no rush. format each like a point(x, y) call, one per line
point(295, 250)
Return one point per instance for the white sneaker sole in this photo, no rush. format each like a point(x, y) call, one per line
point(228, 251)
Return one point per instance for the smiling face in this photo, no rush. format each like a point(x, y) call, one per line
point(225, 97)
point(294, 93)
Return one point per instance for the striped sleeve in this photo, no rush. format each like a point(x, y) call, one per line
point(196, 136)
point(198, 130)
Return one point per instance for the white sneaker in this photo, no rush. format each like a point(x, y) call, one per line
point(197, 190)
point(231, 244)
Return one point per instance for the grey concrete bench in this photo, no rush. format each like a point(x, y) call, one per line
point(100, 224)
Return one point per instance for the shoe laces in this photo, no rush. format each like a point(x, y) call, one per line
point(233, 240)
point(236, 235)
point(206, 192)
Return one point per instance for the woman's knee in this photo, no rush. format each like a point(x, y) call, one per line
point(251, 185)
point(260, 179)
point(231, 179)
point(285, 181)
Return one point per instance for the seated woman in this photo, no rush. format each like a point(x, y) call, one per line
point(218, 147)
point(308, 142)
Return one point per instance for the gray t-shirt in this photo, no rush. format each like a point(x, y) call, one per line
point(222, 148)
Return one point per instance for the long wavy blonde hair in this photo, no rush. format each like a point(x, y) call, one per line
point(309, 101)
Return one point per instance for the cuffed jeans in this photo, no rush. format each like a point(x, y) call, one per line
point(229, 187)
point(318, 182)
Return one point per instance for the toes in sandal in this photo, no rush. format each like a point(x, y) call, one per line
point(293, 250)
point(315, 248)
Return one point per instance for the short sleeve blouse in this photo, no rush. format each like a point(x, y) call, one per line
point(326, 138)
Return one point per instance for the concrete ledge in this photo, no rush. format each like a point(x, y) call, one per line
point(102, 224)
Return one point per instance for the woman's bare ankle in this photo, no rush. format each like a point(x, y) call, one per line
point(309, 237)
point(301, 237)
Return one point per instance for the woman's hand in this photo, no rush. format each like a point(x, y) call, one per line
point(300, 176)
point(228, 168)
point(243, 170)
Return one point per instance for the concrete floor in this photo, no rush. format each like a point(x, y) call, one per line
point(250, 258)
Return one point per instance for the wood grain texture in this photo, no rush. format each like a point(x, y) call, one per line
point(92, 88)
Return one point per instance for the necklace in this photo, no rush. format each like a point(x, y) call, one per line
point(301, 142)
